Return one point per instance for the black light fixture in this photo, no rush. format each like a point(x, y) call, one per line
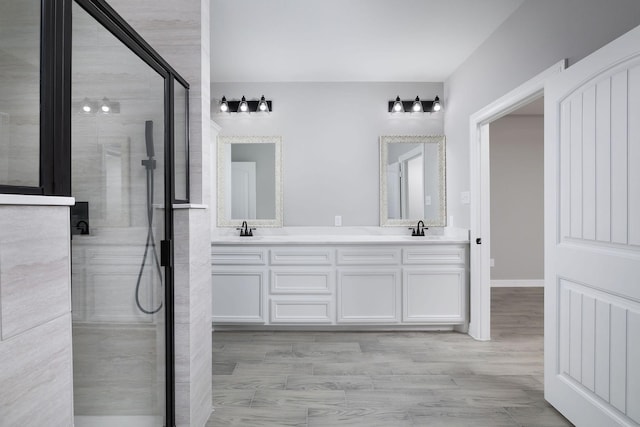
point(397, 106)
point(224, 107)
point(105, 106)
point(87, 106)
point(262, 105)
point(414, 106)
point(436, 104)
point(245, 106)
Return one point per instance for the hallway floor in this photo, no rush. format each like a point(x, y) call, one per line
point(388, 379)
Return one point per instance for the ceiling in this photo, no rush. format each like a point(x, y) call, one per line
point(348, 40)
point(534, 108)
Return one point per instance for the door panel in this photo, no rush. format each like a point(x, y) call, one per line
point(592, 237)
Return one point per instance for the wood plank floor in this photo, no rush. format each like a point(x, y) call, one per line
point(388, 379)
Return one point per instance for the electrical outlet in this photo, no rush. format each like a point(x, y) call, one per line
point(338, 221)
point(492, 262)
point(465, 197)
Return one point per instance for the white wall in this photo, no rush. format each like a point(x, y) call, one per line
point(539, 34)
point(330, 141)
point(517, 193)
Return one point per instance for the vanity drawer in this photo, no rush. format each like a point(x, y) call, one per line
point(302, 256)
point(301, 281)
point(238, 256)
point(300, 310)
point(434, 255)
point(368, 256)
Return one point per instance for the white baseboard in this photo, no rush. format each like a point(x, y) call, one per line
point(529, 283)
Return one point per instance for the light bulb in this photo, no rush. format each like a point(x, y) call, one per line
point(436, 104)
point(105, 107)
point(417, 105)
point(244, 107)
point(262, 105)
point(397, 105)
point(86, 105)
point(224, 107)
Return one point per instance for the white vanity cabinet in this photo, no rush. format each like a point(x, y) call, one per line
point(302, 285)
point(239, 280)
point(386, 285)
point(369, 285)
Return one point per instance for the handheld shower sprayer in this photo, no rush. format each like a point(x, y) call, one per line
point(150, 165)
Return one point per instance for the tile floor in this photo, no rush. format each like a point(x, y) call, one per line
point(388, 379)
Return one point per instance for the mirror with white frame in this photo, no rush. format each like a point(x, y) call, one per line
point(249, 181)
point(412, 180)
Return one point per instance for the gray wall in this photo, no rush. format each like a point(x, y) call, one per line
point(539, 34)
point(517, 193)
point(330, 141)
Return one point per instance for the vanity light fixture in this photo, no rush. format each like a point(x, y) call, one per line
point(436, 104)
point(417, 106)
point(243, 105)
point(224, 106)
point(105, 106)
point(397, 106)
point(414, 106)
point(262, 105)
point(86, 106)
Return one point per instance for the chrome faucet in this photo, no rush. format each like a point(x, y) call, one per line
point(417, 231)
point(245, 231)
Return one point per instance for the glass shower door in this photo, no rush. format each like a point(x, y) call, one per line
point(117, 225)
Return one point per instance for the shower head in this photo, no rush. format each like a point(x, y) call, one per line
point(148, 136)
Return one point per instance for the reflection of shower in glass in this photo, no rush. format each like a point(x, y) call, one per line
point(150, 165)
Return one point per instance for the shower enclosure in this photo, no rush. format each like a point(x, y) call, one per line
point(122, 116)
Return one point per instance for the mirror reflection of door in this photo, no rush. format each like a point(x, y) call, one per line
point(414, 184)
point(405, 182)
point(243, 190)
point(393, 190)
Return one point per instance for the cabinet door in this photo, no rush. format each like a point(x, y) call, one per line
point(238, 296)
point(368, 296)
point(434, 295)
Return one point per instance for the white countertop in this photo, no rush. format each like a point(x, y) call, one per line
point(326, 237)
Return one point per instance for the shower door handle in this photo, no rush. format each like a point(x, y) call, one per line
point(166, 253)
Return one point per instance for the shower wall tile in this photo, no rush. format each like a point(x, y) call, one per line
point(193, 318)
point(34, 266)
point(35, 313)
point(36, 376)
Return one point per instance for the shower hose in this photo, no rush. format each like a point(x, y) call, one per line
point(151, 242)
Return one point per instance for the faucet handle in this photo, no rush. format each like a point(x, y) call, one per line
point(413, 231)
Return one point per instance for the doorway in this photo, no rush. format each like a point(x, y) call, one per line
point(516, 149)
point(480, 278)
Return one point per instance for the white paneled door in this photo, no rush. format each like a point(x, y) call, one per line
point(592, 237)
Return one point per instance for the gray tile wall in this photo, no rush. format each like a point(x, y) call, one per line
point(179, 31)
point(35, 317)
